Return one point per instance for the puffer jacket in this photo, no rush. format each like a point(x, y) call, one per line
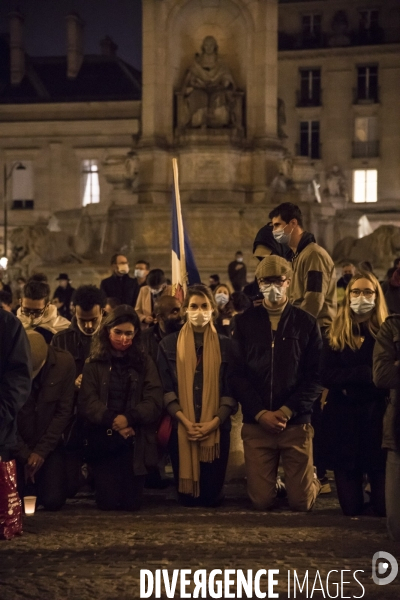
point(268, 372)
point(143, 409)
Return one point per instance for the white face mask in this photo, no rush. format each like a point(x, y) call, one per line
point(272, 292)
point(239, 259)
point(362, 305)
point(140, 273)
point(221, 298)
point(199, 318)
point(123, 269)
point(156, 291)
point(85, 332)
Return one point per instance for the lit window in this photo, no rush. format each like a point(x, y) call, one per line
point(22, 185)
point(90, 182)
point(365, 185)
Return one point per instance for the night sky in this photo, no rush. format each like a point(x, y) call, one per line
point(45, 25)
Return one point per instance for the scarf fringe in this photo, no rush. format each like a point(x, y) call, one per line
point(209, 453)
point(188, 486)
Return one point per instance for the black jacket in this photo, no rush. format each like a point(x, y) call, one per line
point(15, 376)
point(125, 288)
point(352, 419)
point(166, 363)
point(75, 342)
point(143, 408)
point(265, 375)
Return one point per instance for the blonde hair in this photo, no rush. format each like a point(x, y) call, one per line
point(344, 329)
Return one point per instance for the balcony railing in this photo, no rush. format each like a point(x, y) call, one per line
point(314, 151)
point(23, 204)
point(370, 96)
point(303, 100)
point(366, 149)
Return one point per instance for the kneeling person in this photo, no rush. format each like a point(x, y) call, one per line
point(41, 422)
point(274, 371)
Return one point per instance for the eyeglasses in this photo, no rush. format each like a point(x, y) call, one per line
point(355, 293)
point(33, 312)
point(272, 280)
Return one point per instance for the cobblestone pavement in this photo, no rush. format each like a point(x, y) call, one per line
point(83, 554)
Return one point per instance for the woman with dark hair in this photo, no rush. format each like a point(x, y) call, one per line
point(352, 418)
point(223, 301)
point(193, 369)
point(121, 401)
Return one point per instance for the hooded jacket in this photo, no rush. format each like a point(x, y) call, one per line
point(313, 285)
point(51, 321)
point(266, 372)
point(15, 376)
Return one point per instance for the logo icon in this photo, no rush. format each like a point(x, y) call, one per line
point(384, 563)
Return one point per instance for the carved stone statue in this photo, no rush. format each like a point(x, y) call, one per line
point(208, 90)
point(340, 28)
point(380, 247)
point(336, 183)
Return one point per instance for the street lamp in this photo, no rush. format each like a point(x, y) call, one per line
point(6, 176)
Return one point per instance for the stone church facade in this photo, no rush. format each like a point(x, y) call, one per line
point(262, 102)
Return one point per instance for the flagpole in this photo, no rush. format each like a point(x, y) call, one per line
point(181, 234)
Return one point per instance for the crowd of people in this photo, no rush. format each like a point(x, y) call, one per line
point(103, 386)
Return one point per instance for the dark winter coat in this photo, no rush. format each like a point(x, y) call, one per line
point(387, 375)
point(353, 415)
point(75, 342)
point(143, 408)
point(167, 368)
point(15, 376)
point(266, 374)
point(48, 411)
point(124, 288)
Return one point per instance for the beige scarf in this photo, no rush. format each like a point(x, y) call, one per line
point(191, 453)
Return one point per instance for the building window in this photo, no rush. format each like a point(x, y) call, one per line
point(22, 195)
point(311, 30)
point(309, 139)
point(366, 144)
point(310, 87)
point(90, 182)
point(365, 185)
point(367, 85)
point(369, 31)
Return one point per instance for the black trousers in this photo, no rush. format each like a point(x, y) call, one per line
point(318, 441)
point(349, 486)
point(116, 487)
point(212, 475)
point(50, 481)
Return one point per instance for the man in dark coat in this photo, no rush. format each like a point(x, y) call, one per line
point(42, 421)
point(167, 312)
point(15, 378)
point(64, 293)
point(89, 302)
point(237, 272)
point(120, 285)
point(274, 372)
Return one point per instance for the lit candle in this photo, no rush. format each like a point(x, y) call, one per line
point(30, 505)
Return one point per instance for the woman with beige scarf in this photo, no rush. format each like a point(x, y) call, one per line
point(193, 369)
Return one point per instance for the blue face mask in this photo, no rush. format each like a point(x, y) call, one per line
point(281, 237)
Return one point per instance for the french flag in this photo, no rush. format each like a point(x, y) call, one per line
point(184, 270)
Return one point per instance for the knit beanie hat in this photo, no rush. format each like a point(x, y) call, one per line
point(273, 266)
point(39, 351)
